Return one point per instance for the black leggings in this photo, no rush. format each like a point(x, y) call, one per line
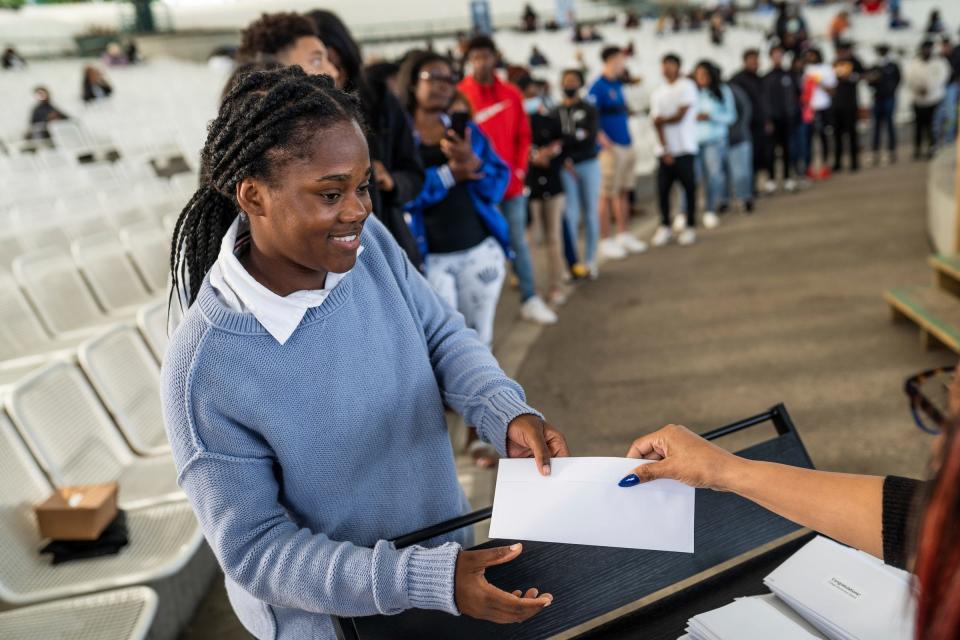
point(683, 171)
point(782, 135)
point(846, 135)
point(923, 128)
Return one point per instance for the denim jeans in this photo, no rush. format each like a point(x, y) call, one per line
point(710, 171)
point(945, 122)
point(515, 211)
point(583, 197)
point(883, 112)
point(740, 169)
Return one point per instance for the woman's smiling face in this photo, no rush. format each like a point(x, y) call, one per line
point(309, 212)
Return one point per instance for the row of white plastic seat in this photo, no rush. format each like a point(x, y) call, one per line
point(120, 614)
point(94, 420)
point(104, 279)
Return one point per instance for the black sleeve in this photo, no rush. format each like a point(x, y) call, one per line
point(405, 165)
point(591, 122)
point(900, 498)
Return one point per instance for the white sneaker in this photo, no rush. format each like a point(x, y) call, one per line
point(592, 271)
point(612, 250)
point(687, 238)
point(679, 223)
point(536, 310)
point(662, 236)
point(769, 187)
point(710, 220)
point(790, 185)
point(630, 242)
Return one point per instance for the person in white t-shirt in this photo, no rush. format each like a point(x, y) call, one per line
point(675, 119)
point(824, 82)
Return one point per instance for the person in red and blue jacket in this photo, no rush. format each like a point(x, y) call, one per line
point(455, 219)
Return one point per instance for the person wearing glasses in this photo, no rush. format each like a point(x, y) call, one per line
point(907, 523)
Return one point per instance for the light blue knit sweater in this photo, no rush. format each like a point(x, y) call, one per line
point(302, 459)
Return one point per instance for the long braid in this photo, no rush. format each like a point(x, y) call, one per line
point(259, 126)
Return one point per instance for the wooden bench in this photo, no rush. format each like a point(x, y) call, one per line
point(946, 272)
point(935, 311)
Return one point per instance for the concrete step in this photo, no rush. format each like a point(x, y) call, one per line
point(935, 311)
point(946, 271)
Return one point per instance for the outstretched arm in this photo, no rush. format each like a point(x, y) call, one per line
point(844, 506)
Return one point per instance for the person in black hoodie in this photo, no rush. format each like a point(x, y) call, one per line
point(398, 170)
point(846, 106)
point(750, 81)
point(782, 89)
point(884, 78)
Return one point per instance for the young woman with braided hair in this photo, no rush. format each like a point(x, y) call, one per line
point(304, 390)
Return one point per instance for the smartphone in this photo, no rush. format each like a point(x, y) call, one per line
point(458, 122)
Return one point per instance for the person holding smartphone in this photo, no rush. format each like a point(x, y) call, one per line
point(454, 218)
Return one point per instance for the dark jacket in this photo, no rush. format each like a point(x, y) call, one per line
point(740, 129)
point(579, 123)
point(96, 90)
point(391, 142)
point(845, 99)
point(544, 182)
point(884, 79)
point(783, 95)
point(752, 84)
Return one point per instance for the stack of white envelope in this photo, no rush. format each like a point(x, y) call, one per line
point(845, 593)
point(824, 590)
point(754, 618)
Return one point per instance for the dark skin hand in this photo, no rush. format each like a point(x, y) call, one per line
point(477, 598)
point(527, 436)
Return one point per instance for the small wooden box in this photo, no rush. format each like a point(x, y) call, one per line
point(80, 512)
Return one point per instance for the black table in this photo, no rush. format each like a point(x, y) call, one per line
point(606, 592)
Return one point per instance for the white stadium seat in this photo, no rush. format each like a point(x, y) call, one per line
point(52, 283)
point(110, 273)
point(122, 614)
point(125, 375)
point(149, 249)
point(76, 441)
point(152, 321)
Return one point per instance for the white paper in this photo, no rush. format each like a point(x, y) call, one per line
point(748, 619)
point(844, 593)
point(581, 503)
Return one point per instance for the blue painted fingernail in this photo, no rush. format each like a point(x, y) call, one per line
point(630, 480)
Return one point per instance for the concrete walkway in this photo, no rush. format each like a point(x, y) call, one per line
point(781, 306)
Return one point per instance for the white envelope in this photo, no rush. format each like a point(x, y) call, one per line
point(844, 593)
point(581, 503)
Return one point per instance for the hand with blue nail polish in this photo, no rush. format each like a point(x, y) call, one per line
point(679, 454)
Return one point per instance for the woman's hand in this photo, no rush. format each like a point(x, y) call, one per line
point(457, 149)
point(477, 598)
point(681, 455)
point(468, 170)
point(528, 436)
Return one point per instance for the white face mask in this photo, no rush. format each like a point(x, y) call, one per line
point(532, 105)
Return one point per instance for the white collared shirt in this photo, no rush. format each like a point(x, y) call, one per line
point(238, 290)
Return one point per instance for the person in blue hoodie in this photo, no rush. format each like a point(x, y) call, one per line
point(454, 218)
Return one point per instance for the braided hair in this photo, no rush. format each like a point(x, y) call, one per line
point(262, 124)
